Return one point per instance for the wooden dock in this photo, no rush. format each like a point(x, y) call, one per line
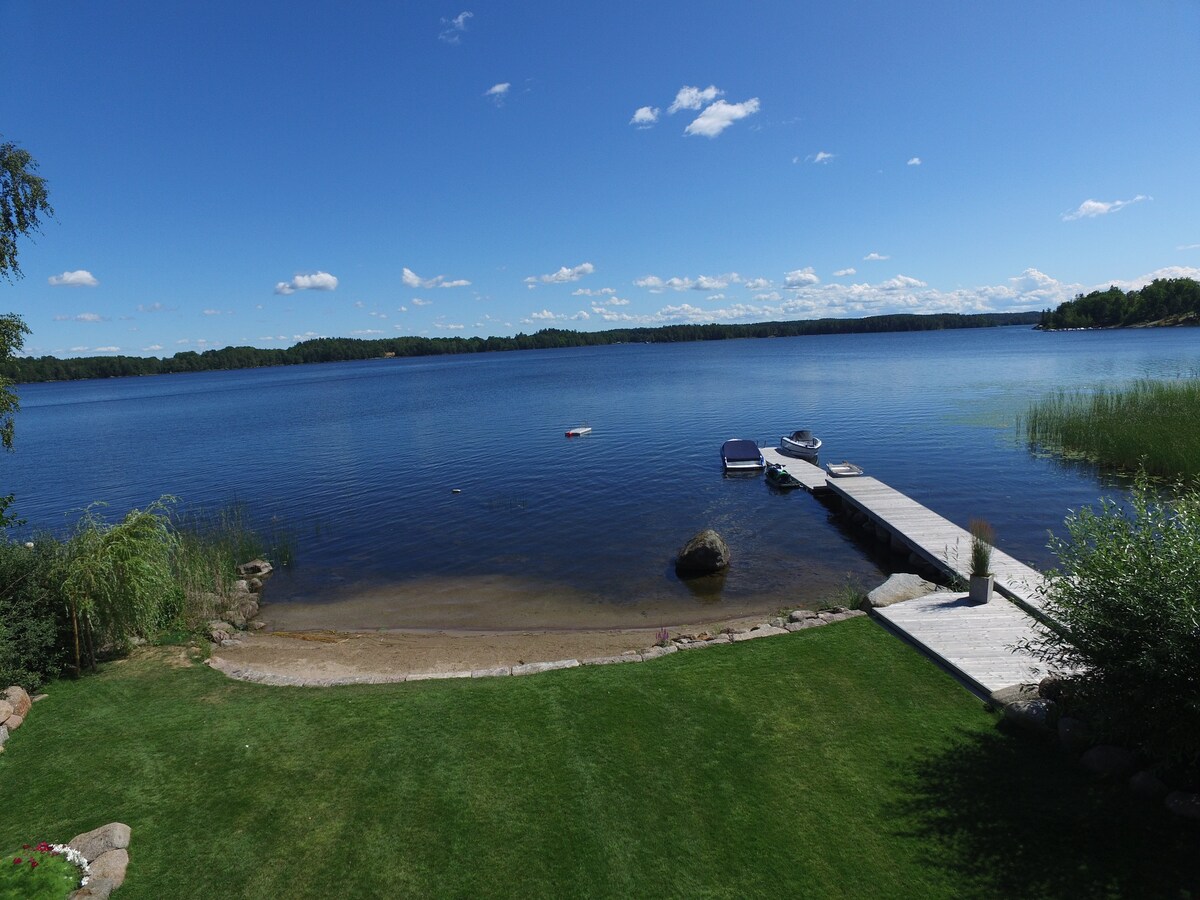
point(976, 643)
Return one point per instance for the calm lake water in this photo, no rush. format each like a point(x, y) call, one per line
point(356, 461)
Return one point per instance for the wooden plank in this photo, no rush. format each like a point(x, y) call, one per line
point(812, 477)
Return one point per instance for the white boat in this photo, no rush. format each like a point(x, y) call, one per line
point(742, 456)
point(843, 469)
point(800, 443)
point(579, 431)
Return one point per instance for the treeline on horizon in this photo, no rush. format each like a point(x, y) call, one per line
point(25, 370)
point(1164, 301)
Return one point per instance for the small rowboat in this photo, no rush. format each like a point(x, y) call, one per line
point(801, 443)
point(843, 469)
point(580, 431)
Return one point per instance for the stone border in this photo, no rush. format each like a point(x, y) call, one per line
point(106, 855)
point(797, 620)
point(15, 704)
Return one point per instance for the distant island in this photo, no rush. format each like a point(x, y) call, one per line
point(29, 369)
point(1163, 302)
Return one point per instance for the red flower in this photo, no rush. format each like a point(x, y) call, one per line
point(24, 846)
point(17, 861)
point(33, 864)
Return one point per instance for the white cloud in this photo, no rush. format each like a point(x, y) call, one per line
point(544, 314)
point(758, 284)
point(452, 34)
point(656, 285)
point(915, 161)
point(800, 277)
point(645, 116)
point(694, 98)
point(78, 278)
point(212, 312)
point(79, 349)
point(840, 273)
point(318, 281)
point(1090, 209)
point(152, 348)
point(82, 317)
point(1140, 282)
point(875, 257)
point(1188, 247)
point(107, 350)
point(413, 280)
point(150, 307)
point(821, 157)
point(901, 282)
point(719, 116)
point(563, 275)
point(448, 326)
point(589, 292)
point(417, 301)
point(365, 331)
point(618, 301)
point(497, 92)
point(653, 282)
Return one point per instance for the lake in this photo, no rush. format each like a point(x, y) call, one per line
point(357, 462)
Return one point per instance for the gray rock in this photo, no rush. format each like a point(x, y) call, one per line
point(897, 589)
point(1184, 803)
point(800, 615)
point(1109, 761)
point(1013, 692)
point(6, 710)
point(1147, 785)
point(806, 623)
point(609, 660)
point(1035, 715)
point(778, 622)
point(40, 697)
point(705, 554)
point(431, 676)
point(700, 645)
point(759, 632)
point(110, 866)
point(12, 723)
point(656, 652)
point(1074, 735)
point(3, 735)
point(537, 667)
point(113, 836)
point(18, 698)
point(95, 889)
point(256, 568)
point(493, 672)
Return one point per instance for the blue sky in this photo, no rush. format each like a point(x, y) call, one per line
point(259, 173)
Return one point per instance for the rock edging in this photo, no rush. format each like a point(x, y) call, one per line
point(797, 620)
point(15, 704)
point(106, 854)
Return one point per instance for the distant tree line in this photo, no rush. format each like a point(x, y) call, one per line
point(1164, 301)
point(48, 368)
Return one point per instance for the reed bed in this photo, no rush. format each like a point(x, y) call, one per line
point(1150, 424)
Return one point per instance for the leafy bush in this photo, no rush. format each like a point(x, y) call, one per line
point(41, 872)
point(31, 624)
point(1127, 603)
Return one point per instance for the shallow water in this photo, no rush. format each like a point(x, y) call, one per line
point(357, 462)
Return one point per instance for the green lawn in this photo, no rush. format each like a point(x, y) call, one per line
point(834, 762)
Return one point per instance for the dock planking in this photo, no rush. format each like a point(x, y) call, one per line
point(979, 644)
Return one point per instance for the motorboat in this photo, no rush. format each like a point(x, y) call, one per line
point(742, 456)
point(801, 444)
point(843, 469)
point(778, 476)
point(579, 431)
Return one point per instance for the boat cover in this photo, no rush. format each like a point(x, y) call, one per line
point(740, 451)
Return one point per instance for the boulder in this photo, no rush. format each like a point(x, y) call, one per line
point(1109, 761)
point(759, 631)
point(95, 889)
point(113, 836)
point(1184, 803)
point(256, 568)
point(898, 588)
point(6, 710)
point(1147, 785)
point(1074, 736)
point(1032, 714)
point(3, 735)
point(18, 698)
point(110, 866)
point(12, 723)
point(705, 554)
point(799, 615)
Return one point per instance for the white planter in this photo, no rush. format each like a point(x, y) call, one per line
point(981, 588)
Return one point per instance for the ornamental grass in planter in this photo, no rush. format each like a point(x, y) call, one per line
point(983, 537)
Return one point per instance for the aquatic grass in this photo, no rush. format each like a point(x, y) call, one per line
point(1150, 423)
point(835, 762)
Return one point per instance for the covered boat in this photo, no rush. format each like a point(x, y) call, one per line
point(801, 444)
point(742, 456)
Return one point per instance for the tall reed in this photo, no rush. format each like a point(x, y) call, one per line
point(1150, 423)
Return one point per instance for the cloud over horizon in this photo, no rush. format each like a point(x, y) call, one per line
point(78, 278)
point(1090, 209)
point(318, 281)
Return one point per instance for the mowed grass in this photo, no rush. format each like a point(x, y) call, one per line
point(834, 762)
point(1155, 423)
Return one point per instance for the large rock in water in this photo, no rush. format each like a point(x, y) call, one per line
point(705, 554)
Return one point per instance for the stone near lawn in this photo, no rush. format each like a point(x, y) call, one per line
point(805, 623)
point(18, 698)
point(1108, 761)
point(537, 667)
point(1147, 785)
point(608, 660)
point(110, 866)
point(492, 672)
point(656, 652)
point(3, 734)
point(12, 723)
point(95, 889)
point(113, 836)
point(1032, 714)
point(705, 554)
point(897, 589)
point(1184, 803)
point(800, 615)
point(759, 632)
point(6, 710)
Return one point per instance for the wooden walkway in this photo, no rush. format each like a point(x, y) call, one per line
point(976, 643)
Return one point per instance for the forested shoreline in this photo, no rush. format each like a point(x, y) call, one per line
point(1164, 301)
point(26, 370)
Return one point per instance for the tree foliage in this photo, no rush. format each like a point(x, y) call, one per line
point(23, 202)
point(1127, 602)
point(1163, 301)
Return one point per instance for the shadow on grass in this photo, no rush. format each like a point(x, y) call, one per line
point(1007, 814)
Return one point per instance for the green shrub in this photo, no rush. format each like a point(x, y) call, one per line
point(37, 873)
point(31, 621)
point(1127, 602)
